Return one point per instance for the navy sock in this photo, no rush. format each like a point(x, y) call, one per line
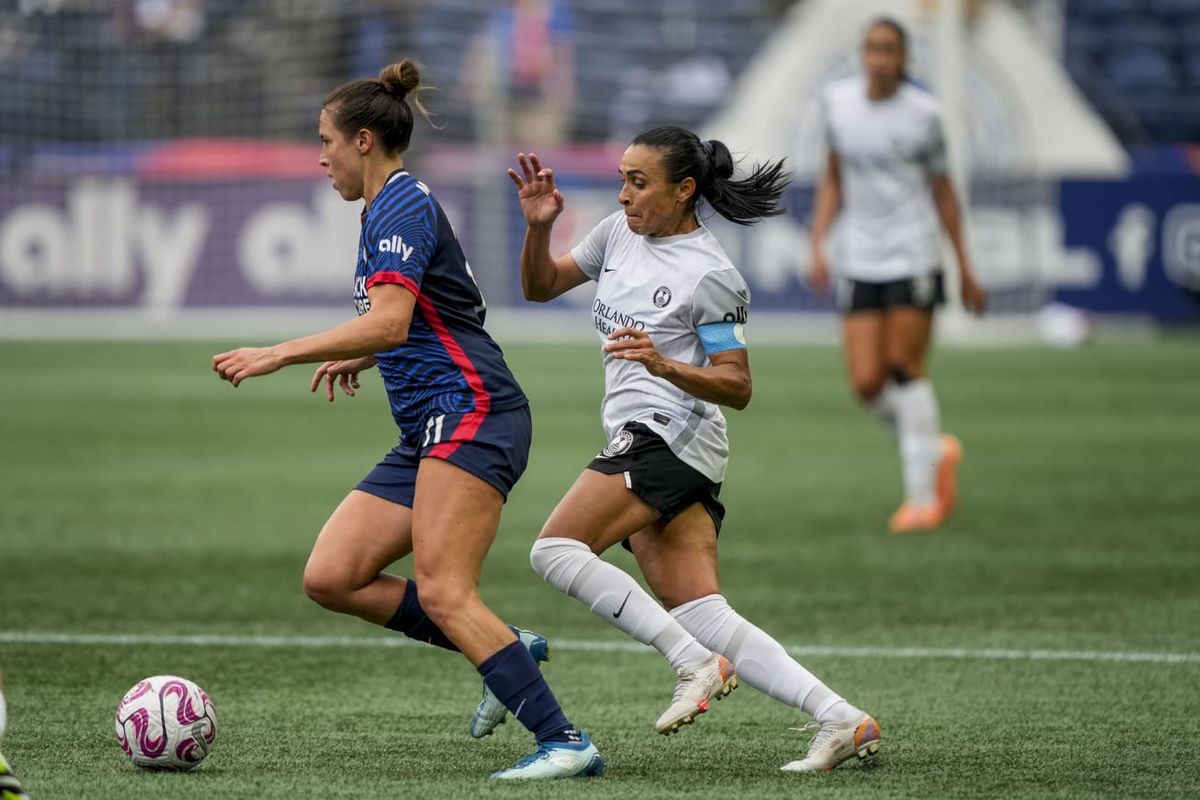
point(411, 620)
point(513, 676)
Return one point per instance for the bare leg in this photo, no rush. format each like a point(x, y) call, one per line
point(455, 518)
point(362, 537)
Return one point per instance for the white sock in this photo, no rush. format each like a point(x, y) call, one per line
point(884, 406)
point(920, 438)
point(759, 660)
point(3, 714)
point(614, 596)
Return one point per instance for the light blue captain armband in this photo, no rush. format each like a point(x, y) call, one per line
point(717, 337)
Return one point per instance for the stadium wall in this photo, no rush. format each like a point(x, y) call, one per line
point(204, 236)
point(137, 237)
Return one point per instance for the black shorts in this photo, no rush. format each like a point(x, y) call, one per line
point(493, 447)
point(657, 475)
point(923, 292)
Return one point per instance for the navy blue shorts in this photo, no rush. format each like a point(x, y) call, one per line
point(493, 447)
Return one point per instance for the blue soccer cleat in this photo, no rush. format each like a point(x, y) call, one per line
point(491, 712)
point(557, 760)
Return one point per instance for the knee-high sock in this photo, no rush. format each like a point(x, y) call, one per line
point(513, 676)
point(884, 406)
point(919, 431)
point(614, 596)
point(411, 620)
point(759, 660)
point(3, 714)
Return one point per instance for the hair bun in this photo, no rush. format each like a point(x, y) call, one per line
point(719, 157)
point(401, 78)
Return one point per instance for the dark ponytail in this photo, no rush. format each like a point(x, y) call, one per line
point(744, 201)
point(380, 105)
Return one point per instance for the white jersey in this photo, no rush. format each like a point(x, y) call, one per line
point(888, 150)
point(687, 295)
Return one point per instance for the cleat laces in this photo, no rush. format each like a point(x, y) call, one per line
point(687, 679)
point(536, 755)
point(823, 733)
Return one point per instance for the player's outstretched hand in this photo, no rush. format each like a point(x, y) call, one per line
point(541, 201)
point(629, 344)
point(345, 373)
point(246, 362)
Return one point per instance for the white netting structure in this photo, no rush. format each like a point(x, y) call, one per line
point(160, 155)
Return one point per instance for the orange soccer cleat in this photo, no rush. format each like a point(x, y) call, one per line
point(947, 481)
point(912, 517)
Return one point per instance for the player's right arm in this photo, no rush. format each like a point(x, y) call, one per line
point(828, 202)
point(382, 328)
point(543, 277)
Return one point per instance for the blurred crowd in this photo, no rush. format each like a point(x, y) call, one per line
point(103, 70)
point(518, 70)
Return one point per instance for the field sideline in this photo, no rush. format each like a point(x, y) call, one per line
point(1045, 644)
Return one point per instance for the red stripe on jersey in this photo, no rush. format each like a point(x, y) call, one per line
point(394, 277)
point(471, 421)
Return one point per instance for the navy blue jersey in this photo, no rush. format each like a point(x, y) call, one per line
point(449, 364)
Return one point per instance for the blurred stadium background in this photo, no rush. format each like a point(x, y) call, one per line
point(159, 155)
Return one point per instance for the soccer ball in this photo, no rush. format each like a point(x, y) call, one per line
point(166, 722)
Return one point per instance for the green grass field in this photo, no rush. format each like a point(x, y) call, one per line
point(141, 496)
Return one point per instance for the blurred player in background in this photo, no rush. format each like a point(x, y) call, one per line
point(887, 159)
point(670, 309)
point(464, 422)
point(10, 787)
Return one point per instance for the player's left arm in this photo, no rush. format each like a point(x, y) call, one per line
point(725, 381)
point(936, 161)
point(382, 328)
point(719, 311)
point(945, 200)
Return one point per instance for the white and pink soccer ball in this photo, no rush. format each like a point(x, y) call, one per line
point(166, 722)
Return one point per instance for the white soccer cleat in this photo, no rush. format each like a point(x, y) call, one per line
point(837, 741)
point(557, 760)
point(490, 713)
point(712, 680)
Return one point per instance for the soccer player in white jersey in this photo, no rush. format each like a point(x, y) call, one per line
point(10, 787)
point(886, 163)
point(670, 310)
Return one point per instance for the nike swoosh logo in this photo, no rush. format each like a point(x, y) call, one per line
point(610, 269)
point(617, 613)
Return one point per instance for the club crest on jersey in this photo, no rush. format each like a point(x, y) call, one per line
point(620, 443)
point(662, 296)
point(395, 244)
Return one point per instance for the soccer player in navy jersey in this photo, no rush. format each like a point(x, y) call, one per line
point(464, 424)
